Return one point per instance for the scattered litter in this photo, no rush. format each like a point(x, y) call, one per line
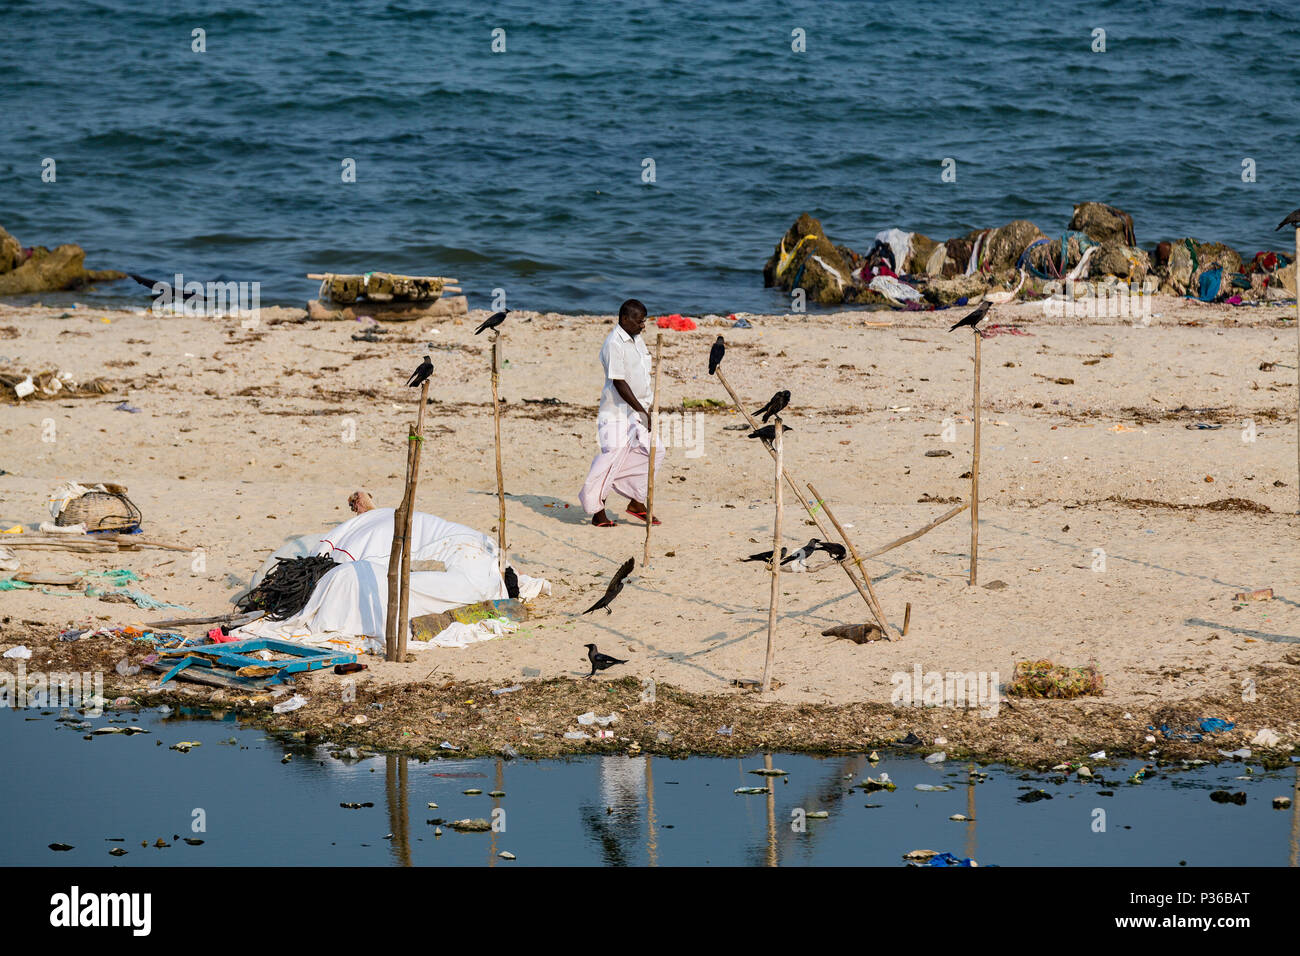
point(508, 690)
point(932, 788)
point(750, 790)
point(1265, 738)
point(577, 735)
point(124, 407)
point(590, 718)
point(1281, 803)
point(20, 652)
point(1259, 594)
point(939, 757)
point(293, 703)
point(1042, 678)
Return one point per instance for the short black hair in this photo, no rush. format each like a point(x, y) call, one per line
point(632, 309)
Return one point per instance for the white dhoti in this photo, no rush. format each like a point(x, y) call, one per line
point(622, 465)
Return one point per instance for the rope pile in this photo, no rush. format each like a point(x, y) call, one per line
point(287, 587)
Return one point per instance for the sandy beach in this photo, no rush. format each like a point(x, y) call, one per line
point(1093, 448)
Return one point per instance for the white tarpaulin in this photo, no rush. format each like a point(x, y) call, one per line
point(352, 599)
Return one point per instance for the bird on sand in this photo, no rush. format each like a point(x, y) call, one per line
point(492, 321)
point(1002, 297)
point(512, 583)
point(765, 556)
point(1291, 220)
point(424, 370)
point(974, 318)
point(715, 354)
point(600, 661)
point(832, 548)
point(768, 432)
point(774, 405)
point(615, 586)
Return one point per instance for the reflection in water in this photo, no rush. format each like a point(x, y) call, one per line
point(399, 817)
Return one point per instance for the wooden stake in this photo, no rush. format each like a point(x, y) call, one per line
point(1297, 362)
point(907, 618)
point(920, 531)
point(775, 597)
point(812, 512)
point(654, 431)
point(395, 561)
point(975, 471)
point(399, 556)
point(874, 603)
point(501, 486)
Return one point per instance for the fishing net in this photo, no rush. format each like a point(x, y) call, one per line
point(287, 587)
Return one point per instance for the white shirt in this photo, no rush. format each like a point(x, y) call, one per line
point(626, 358)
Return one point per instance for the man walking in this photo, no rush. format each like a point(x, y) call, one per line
point(623, 422)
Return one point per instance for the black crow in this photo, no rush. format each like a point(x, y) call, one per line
point(715, 354)
point(1291, 220)
point(765, 556)
point(512, 583)
point(768, 432)
point(774, 405)
point(599, 661)
point(615, 586)
point(424, 370)
point(974, 318)
point(492, 321)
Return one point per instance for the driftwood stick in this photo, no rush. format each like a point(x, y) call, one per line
point(501, 485)
point(242, 617)
point(874, 602)
point(654, 431)
point(812, 512)
point(775, 596)
point(907, 618)
point(975, 469)
point(916, 534)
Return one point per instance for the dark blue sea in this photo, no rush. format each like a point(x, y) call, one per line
point(523, 169)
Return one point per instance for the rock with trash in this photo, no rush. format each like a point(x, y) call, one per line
point(1097, 252)
point(38, 269)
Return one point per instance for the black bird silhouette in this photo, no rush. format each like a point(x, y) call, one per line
point(803, 552)
point(599, 661)
point(1291, 220)
point(715, 354)
point(512, 583)
point(974, 318)
point(768, 432)
point(774, 405)
point(615, 586)
point(424, 370)
point(765, 556)
point(832, 548)
point(492, 321)
point(150, 283)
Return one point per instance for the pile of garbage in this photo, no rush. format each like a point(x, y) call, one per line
point(1018, 260)
point(38, 269)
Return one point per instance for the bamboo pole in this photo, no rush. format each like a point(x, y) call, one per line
point(775, 597)
point(395, 560)
point(907, 618)
point(916, 534)
point(1297, 363)
point(975, 470)
point(650, 481)
point(399, 556)
point(501, 485)
point(403, 611)
point(874, 603)
point(812, 512)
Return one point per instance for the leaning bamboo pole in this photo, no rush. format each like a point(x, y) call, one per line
point(408, 518)
point(654, 432)
point(775, 597)
point(501, 486)
point(920, 531)
point(876, 609)
point(812, 512)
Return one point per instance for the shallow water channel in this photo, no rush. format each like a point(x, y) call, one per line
point(236, 794)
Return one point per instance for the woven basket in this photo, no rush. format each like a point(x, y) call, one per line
point(101, 511)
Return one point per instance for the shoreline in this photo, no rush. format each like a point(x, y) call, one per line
point(237, 445)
